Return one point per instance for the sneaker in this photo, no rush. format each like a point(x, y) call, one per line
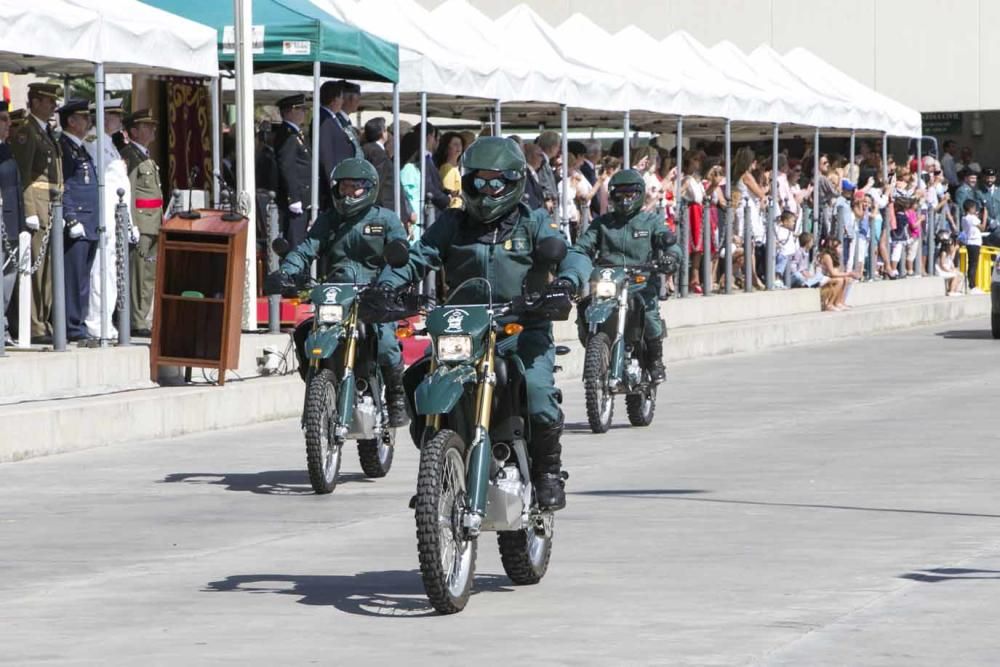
point(976, 290)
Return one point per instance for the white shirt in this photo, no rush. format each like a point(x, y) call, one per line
point(693, 190)
point(948, 167)
point(970, 225)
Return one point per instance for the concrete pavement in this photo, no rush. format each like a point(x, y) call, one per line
point(816, 505)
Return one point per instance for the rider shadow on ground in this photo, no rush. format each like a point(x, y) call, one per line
point(967, 334)
point(937, 574)
point(584, 427)
point(393, 593)
point(268, 482)
point(638, 492)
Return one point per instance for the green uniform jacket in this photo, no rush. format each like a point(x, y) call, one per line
point(465, 249)
point(40, 161)
point(352, 248)
point(991, 200)
point(144, 176)
point(965, 192)
point(611, 242)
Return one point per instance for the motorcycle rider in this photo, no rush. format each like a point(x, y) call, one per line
point(495, 237)
point(350, 237)
point(628, 235)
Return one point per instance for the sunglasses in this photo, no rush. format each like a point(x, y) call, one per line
point(493, 184)
point(626, 190)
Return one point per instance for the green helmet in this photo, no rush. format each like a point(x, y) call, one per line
point(626, 193)
point(354, 169)
point(484, 203)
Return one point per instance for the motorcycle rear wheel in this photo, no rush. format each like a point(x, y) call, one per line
point(525, 554)
point(376, 454)
point(599, 399)
point(447, 556)
point(642, 406)
point(323, 452)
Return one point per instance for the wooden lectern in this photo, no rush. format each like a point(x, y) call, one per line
point(198, 306)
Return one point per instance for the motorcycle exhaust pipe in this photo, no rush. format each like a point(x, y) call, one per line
point(501, 452)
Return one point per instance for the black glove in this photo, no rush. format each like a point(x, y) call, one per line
point(555, 302)
point(560, 286)
point(664, 240)
point(384, 303)
point(278, 282)
point(667, 262)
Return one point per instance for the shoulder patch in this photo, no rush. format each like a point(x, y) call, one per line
point(553, 225)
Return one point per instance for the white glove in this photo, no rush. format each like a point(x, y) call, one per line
point(295, 207)
point(133, 234)
point(76, 230)
point(32, 222)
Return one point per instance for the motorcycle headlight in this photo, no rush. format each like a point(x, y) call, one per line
point(604, 289)
point(454, 348)
point(329, 313)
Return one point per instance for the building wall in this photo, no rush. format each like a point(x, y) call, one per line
point(932, 55)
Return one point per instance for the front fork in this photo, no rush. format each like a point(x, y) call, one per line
point(478, 466)
point(345, 394)
point(617, 370)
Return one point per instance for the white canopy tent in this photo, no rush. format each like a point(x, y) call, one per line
point(89, 37)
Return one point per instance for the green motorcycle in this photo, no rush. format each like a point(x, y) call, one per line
point(472, 424)
point(344, 398)
point(612, 332)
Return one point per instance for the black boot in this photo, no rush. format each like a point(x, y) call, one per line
point(546, 466)
point(654, 360)
point(395, 395)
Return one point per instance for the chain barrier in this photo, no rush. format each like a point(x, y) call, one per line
point(121, 247)
point(44, 250)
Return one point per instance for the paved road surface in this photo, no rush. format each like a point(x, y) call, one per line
point(829, 505)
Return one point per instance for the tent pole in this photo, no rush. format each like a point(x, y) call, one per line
point(928, 233)
point(316, 180)
point(213, 93)
point(775, 212)
point(395, 152)
point(851, 158)
point(102, 214)
point(681, 215)
point(564, 172)
point(496, 119)
point(817, 218)
point(626, 144)
point(245, 176)
point(423, 160)
point(728, 234)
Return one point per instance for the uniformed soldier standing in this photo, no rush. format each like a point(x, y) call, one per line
point(13, 216)
point(147, 215)
point(115, 179)
point(989, 195)
point(294, 169)
point(80, 214)
point(36, 150)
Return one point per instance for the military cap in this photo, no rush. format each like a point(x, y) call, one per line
point(71, 107)
point(38, 88)
point(989, 171)
point(297, 100)
point(4, 105)
point(139, 116)
point(111, 105)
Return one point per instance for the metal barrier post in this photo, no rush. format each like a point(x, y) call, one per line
point(747, 250)
point(727, 241)
point(918, 263)
point(57, 257)
point(564, 174)
point(24, 290)
point(706, 250)
point(682, 221)
point(122, 264)
point(816, 213)
point(873, 244)
point(274, 300)
point(931, 230)
point(430, 280)
point(626, 141)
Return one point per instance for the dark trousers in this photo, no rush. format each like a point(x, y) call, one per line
point(79, 259)
point(293, 227)
point(973, 251)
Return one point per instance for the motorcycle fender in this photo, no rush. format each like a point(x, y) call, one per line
point(441, 390)
point(598, 312)
point(322, 343)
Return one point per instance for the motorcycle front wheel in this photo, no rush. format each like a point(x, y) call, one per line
point(641, 407)
point(447, 556)
point(525, 553)
point(376, 454)
point(323, 452)
point(597, 394)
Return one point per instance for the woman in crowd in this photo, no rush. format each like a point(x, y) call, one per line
point(693, 194)
point(409, 176)
point(752, 198)
point(608, 168)
point(446, 159)
point(946, 268)
point(833, 294)
point(579, 191)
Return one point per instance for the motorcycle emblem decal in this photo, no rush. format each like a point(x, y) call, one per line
point(454, 318)
point(330, 294)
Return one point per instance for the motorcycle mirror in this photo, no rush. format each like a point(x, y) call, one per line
point(396, 253)
point(551, 250)
point(280, 246)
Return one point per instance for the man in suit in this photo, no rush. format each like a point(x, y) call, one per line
point(115, 178)
point(534, 195)
point(374, 149)
point(337, 138)
point(147, 215)
point(36, 151)
point(13, 217)
point(80, 215)
point(294, 169)
point(551, 144)
point(432, 177)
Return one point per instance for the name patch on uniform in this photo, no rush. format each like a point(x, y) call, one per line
point(517, 244)
point(640, 233)
point(553, 225)
point(374, 230)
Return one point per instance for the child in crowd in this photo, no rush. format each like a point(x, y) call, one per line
point(913, 224)
point(972, 237)
point(834, 292)
point(787, 245)
point(799, 273)
point(946, 264)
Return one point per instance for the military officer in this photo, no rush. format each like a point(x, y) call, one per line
point(115, 179)
point(495, 237)
point(80, 214)
point(147, 215)
point(13, 216)
point(351, 237)
point(989, 195)
point(36, 150)
point(968, 190)
point(294, 169)
point(629, 235)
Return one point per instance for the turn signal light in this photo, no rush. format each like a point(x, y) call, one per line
point(404, 332)
point(640, 279)
point(512, 328)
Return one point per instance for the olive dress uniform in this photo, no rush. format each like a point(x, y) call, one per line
point(38, 157)
point(147, 215)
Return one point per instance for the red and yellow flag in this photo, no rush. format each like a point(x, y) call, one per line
point(6, 86)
